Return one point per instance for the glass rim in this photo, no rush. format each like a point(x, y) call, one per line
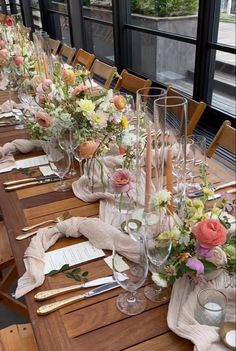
point(214, 290)
point(166, 104)
point(163, 94)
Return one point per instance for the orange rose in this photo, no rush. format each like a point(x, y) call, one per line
point(44, 119)
point(210, 233)
point(88, 148)
point(119, 102)
point(68, 76)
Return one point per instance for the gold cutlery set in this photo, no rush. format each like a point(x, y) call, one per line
point(103, 284)
point(26, 182)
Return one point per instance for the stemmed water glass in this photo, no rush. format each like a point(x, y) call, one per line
point(158, 250)
point(130, 267)
point(75, 148)
point(59, 161)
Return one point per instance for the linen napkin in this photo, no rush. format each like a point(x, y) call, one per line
point(181, 319)
point(7, 163)
point(100, 234)
point(7, 106)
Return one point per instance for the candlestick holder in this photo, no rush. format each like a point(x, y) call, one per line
point(211, 307)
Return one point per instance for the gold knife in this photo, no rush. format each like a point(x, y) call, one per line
point(45, 309)
point(27, 180)
point(36, 182)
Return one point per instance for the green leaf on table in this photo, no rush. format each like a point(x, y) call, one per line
point(69, 275)
point(76, 270)
point(53, 272)
point(84, 274)
point(77, 277)
point(64, 267)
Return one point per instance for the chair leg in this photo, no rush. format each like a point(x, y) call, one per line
point(7, 299)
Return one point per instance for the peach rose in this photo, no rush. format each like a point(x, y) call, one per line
point(210, 233)
point(44, 119)
point(119, 102)
point(46, 84)
point(19, 60)
point(68, 76)
point(122, 181)
point(2, 44)
point(80, 90)
point(88, 148)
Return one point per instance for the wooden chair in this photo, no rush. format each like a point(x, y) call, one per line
point(4, 96)
point(84, 58)
point(104, 71)
point(195, 109)
point(2, 17)
point(131, 83)
point(225, 137)
point(19, 337)
point(54, 45)
point(67, 53)
point(7, 260)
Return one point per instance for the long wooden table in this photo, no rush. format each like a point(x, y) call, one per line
point(94, 323)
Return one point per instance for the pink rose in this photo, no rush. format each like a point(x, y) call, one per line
point(2, 44)
point(80, 90)
point(3, 56)
point(122, 181)
point(10, 21)
point(210, 233)
point(44, 119)
point(19, 60)
point(46, 84)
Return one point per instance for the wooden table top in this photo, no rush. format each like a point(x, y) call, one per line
point(94, 323)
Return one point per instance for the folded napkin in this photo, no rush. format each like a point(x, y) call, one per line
point(100, 234)
point(9, 105)
point(181, 319)
point(20, 145)
point(7, 163)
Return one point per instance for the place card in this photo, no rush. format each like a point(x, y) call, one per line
point(121, 266)
point(46, 170)
point(71, 255)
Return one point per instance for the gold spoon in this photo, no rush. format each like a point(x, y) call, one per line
point(64, 216)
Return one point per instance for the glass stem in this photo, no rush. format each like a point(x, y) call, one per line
point(132, 298)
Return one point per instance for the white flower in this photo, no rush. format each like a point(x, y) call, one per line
point(162, 198)
point(159, 280)
point(98, 119)
point(128, 138)
point(218, 257)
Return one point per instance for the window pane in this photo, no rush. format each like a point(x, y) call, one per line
point(224, 83)
point(99, 40)
point(36, 14)
point(165, 60)
point(62, 28)
point(101, 9)
point(226, 34)
point(58, 5)
point(179, 17)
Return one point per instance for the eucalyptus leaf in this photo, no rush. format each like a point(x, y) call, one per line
point(85, 274)
point(64, 267)
point(53, 272)
point(77, 277)
point(76, 270)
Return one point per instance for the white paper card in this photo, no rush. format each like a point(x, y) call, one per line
point(71, 255)
point(27, 163)
point(46, 170)
point(121, 266)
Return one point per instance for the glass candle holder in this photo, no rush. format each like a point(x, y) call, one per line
point(211, 307)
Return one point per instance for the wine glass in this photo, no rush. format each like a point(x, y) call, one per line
point(59, 161)
point(75, 148)
point(158, 249)
point(67, 142)
point(198, 149)
point(130, 267)
point(25, 94)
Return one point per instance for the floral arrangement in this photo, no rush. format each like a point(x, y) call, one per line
point(17, 59)
point(200, 243)
point(68, 104)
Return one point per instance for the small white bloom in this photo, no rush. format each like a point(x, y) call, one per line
point(159, 280)
point(128, 138)
point(162, 198)
point(86, 106)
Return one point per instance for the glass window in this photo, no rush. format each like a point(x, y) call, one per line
point(99, 40)
point(224, 82)
point(165, 60)
point(62, 28)
point(226, 33)
point(179, 16)
point(100, 9)
point(58, 5)
point(36, 14)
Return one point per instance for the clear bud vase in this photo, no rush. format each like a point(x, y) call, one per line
point(96, 174)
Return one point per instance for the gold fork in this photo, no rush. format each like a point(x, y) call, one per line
point(64, 216)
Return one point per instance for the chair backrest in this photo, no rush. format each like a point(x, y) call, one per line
point(54, 45)
point(84, 58)
point(131, 83)
point(225, 137)
point(19, 337)
point(67, 53)
point(195, 109)
point(104, 71)
point(2, 17)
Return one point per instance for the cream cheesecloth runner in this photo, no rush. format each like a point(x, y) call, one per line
point(99, 234)
point(181, 319)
